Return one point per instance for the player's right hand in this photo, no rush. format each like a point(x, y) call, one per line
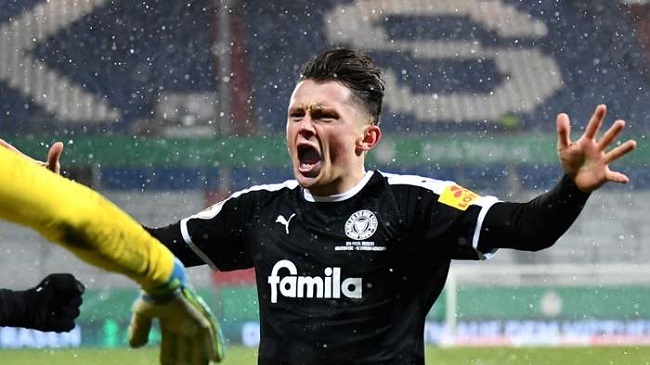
point(52, 305)
point(190, 332)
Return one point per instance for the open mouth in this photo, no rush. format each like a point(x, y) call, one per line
point(308, 160)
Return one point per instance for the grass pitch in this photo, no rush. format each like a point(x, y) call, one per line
point(435, 356)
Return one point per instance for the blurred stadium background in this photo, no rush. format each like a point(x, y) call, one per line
point(166, 107)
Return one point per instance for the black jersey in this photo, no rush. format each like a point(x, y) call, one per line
point(349, 279)
point(345, 279)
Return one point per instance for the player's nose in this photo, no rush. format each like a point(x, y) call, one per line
point(306, 127)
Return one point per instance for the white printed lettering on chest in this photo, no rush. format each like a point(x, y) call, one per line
point(329, 286)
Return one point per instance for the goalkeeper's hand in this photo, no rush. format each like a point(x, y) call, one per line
point(190, 332)
point(52, 305)
point(53, 155)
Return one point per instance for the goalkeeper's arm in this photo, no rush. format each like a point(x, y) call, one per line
point(98, 232)
point(81, 220)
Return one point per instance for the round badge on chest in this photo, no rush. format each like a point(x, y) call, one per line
point(361, 225)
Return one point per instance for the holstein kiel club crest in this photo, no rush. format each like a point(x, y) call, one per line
point(361, 225)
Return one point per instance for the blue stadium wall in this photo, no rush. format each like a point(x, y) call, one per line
point(123, 54)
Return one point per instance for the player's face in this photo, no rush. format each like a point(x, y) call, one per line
point(327, 137)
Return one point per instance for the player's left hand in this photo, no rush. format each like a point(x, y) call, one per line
point(190, 332)
point(53, 155)
point(586, 160)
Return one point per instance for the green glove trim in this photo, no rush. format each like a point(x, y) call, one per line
point(190, 331)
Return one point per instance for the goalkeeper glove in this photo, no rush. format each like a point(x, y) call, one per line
point(190, 332)
point(52, 305)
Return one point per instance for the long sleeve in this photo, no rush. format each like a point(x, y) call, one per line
point(534, 225)
point(81, 220)
point(171, 237)
point(11, 308)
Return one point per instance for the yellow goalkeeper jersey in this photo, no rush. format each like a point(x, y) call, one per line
point(81, 220)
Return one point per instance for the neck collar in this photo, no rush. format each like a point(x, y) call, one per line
point(341, 196)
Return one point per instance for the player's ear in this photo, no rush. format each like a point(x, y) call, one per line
point(371, 136)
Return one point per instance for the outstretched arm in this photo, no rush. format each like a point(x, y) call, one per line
point(98, 232)
point(81, 220)
point(168, 236)
point(537, 224)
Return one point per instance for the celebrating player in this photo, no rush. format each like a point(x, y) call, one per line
point(349, 262)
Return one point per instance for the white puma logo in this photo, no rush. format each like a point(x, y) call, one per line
point(284, 222)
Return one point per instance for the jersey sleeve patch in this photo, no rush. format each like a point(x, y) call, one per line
point(458, 197)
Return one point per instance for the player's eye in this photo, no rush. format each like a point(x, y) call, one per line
point(296, 114)
point(324, 115)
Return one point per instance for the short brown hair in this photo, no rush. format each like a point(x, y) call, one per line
point(353, 69)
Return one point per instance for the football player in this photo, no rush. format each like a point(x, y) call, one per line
point(349, 261)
